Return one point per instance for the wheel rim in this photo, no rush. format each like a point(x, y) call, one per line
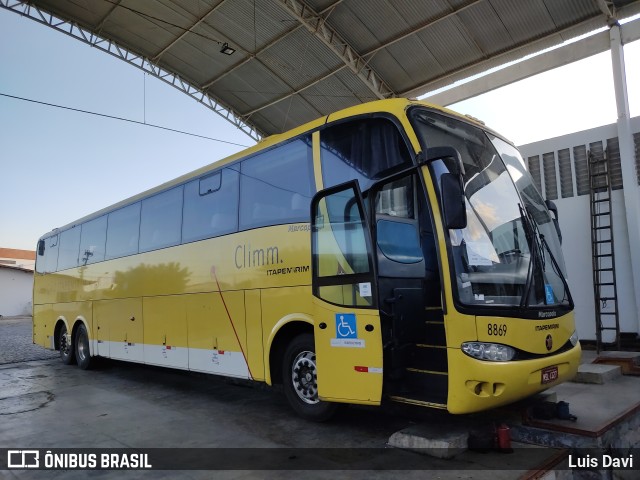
point(82, 346)
point(64, 342)
point(304, 376)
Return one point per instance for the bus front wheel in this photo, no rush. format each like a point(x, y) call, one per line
point(67, 353)
point(300, 380)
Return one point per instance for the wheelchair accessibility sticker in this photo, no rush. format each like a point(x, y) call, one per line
point(346, 332)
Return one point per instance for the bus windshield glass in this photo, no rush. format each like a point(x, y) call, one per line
point(509, 253)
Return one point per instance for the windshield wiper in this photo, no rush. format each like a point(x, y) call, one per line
point(529, 235)
point(543, 245)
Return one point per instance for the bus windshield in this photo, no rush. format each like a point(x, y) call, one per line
point(509, 252)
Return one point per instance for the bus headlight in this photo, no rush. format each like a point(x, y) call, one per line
point(574, 338)
point(493, 352)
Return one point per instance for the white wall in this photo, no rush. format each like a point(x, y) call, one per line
point(575, 222)
point(16, 288)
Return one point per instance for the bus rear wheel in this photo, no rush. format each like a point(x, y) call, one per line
point(300, 380)
point(65, 344)
point(83, 355)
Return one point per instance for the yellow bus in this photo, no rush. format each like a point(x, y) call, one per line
point(392, 251)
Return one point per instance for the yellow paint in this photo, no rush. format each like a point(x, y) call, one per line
point(475, 385)
point(43, 324)
point(530, 335)
point(236, 292)
point(338, 379)
point(211, 321)
point(118, 320)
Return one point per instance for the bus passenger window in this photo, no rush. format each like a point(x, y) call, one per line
point(277, 186)
point(211, 205)
point(51, 254)
point(40, 257)
point(92, 240)
point(161, 220)
point(68, 249)
point(123, 230)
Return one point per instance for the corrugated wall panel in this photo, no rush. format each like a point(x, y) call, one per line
point(566, 179)
point(596, 150)
point(581, 168)
point(615, 168)
point(533, 165)
point(550, 180)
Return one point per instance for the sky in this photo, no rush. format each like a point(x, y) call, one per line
point(58, 165)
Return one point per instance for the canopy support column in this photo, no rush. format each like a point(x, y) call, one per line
point(627, 160)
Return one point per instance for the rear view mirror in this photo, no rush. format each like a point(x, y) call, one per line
point(453, 201)
point(451, 187)
point(554, 209)
point(40, 247)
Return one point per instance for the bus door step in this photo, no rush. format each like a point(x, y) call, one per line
point(422, 386)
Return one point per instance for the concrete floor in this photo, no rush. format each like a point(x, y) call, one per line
point(45, 404)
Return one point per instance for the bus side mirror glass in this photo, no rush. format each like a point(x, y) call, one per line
point(453, 201)
point(40, 247)
point(554, 209)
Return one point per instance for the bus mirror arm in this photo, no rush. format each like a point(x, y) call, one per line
point(554, 209)
point(451, 185)
point(437, 153)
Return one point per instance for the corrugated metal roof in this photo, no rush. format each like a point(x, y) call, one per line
point(289, 64)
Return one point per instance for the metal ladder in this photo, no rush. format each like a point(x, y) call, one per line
point(602, 252)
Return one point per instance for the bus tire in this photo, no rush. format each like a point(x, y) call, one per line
point(300, 380)
point(65, 344)
point(83, 354)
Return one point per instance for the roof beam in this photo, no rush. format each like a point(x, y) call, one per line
point(569, 53)
point(604, 8)
point(249, 114)
point(159, 55)
point(420, 27)
point(310, 84)
point(316, 24)
point(518, 52)
point(253, 55)
point(369, 54)
point(106, 17)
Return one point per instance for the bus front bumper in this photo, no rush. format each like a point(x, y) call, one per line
point(476, 385)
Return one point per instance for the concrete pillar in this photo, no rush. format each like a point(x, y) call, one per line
point(627, 160)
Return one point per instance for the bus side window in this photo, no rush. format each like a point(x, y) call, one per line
point(68, 249)
point(92, 240)
point(161, 220)
point(362, 150)
point(41, 250)
point(123, 230)
point(277, 186)
point(50, 260)
point(211, 205)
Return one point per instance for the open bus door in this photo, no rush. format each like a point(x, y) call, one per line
point(347, 329)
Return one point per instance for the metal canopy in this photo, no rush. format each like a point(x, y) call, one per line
point(297, 60)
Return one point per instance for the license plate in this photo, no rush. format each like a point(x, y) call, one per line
point(549, 374)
